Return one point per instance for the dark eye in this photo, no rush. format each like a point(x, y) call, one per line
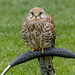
point(32, 13)
point(40, 13)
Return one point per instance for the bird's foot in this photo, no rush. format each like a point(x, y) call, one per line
point(43, 49)
point(33, 49)
point(39, 49)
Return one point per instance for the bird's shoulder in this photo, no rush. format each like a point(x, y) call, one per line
point(50, 19)
point(52, 25)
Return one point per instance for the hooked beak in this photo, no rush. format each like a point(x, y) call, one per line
point(36, 15)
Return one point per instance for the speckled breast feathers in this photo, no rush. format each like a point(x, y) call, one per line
point(40, 33)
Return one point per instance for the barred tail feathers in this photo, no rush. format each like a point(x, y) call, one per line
point(49, 69)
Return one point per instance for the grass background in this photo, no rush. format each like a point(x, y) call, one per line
point(12, 15)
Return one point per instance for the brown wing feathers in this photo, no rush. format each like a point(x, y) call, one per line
point(52, 27)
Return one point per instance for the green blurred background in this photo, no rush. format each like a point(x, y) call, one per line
point(12, 15)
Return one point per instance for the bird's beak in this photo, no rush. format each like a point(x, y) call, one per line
point(36, 15)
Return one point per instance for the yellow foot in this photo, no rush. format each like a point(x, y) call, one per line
point(39, 48)
point(33, 49)
point(42, 50)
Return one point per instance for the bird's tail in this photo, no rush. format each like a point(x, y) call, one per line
point(46, 65)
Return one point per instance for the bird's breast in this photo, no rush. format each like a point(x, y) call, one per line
point(38, 34)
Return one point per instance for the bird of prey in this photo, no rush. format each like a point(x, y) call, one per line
point(38, 32)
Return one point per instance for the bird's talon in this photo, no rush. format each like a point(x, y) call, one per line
point(42, 50)
point(39, 48)
point(33, 49)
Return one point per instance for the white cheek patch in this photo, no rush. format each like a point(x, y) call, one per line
point(42, 15)
point(30, 16)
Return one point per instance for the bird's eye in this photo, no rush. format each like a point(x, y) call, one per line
point(32, 13)
point(40, 13)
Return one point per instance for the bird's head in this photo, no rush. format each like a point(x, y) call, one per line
point(36, 14)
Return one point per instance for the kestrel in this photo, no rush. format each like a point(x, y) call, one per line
point(38, 32)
